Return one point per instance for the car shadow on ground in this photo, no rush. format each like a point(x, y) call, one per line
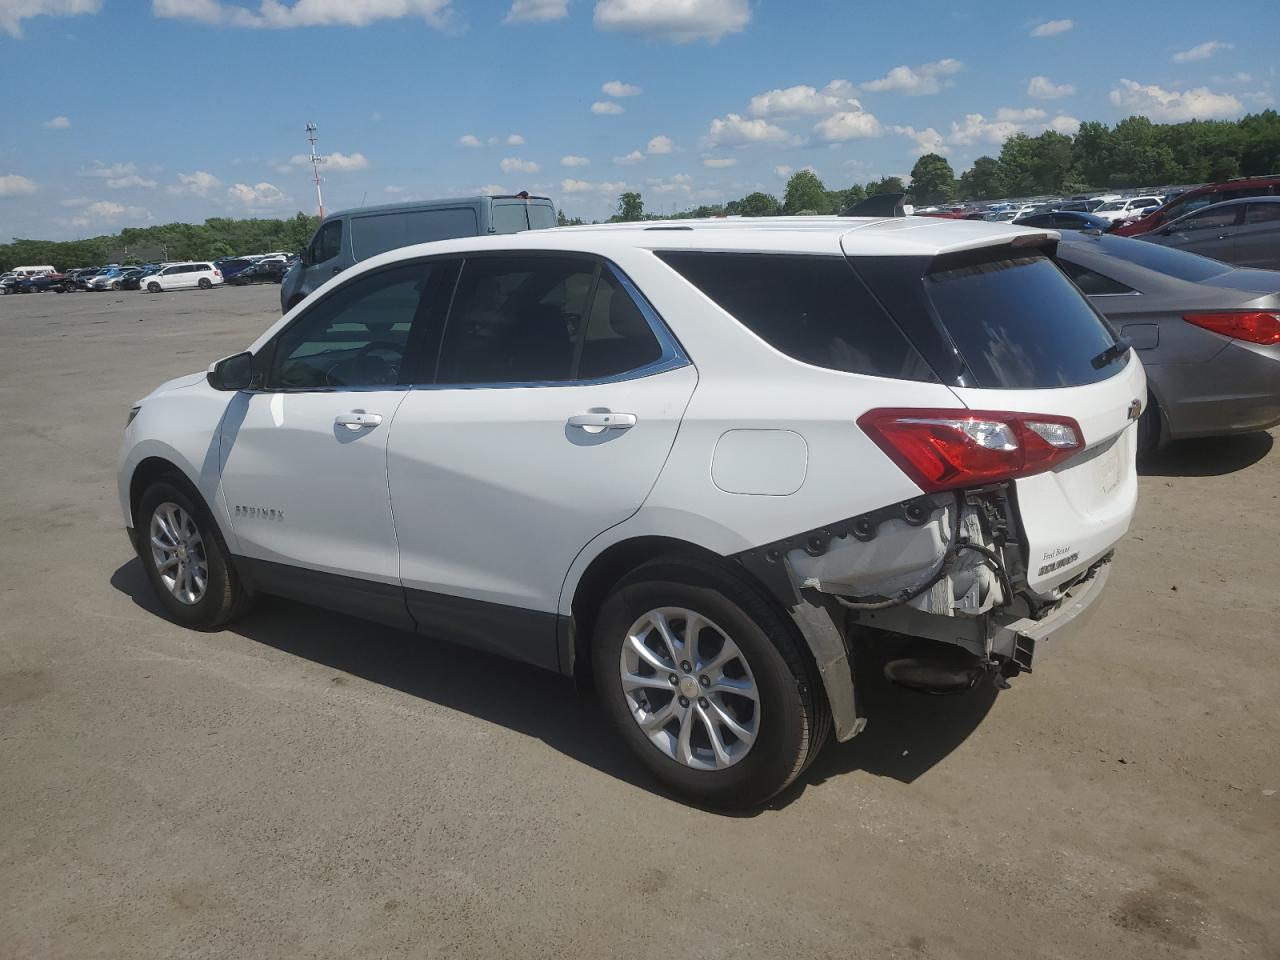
point(1207, 457)
point(910, 732)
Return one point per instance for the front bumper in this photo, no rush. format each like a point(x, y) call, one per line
point(1026, 640)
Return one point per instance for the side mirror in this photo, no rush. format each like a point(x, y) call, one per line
point(302, 256)
point(231, 373)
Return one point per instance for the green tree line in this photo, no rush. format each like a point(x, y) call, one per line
point(216, 237)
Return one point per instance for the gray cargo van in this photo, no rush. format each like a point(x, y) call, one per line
point(350, 236)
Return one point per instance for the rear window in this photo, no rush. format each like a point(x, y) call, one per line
point(1171, 262)
point(812, 308)
point(1020, 324)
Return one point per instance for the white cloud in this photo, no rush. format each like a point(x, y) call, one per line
point(337, 162)
point(131, 181)
point(919, 81)
point(276, 14)
point(1260, 98)
point(489, 189)
point(735, 130)
point(1064, 124)
point(718, 163)
point(14, 185)
point(108, 172)
point(536, 11)
point(570, 160)
point(13, 12)
point(390, 188)
point(849, 125)
point(57, 123)
point(1172, 106)
point(200, 183)
point(606, 108)
point(782, 170)
point(1051, 27)
point(516, 165)
point(469, 140)
point(75, 202)
point(108, 211)
point(803, 99)
point(681, 21)
point(585, 186)
point(515, 140)
point(975, 128)
point(1042, 88)
point(258, 195)
point(680, 183)
point(1025, 115)
point(635, 156)
point(1201, 51)
point(659, 145)
point(616, 88)
point(927, 140)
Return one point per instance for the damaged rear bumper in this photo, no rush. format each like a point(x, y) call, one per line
point(1025, 640)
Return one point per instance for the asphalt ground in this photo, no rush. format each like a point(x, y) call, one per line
point(308, 785)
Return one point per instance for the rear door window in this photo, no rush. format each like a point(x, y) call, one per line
point(1263, 213)
point(510, 217)
point(812, 308)
point(1154, 256)
point(372, 235)
point(1020, 325)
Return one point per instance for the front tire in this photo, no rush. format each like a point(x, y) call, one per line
point(186, 559)
point(153, 287)
point(744, 714)
point(117, 285)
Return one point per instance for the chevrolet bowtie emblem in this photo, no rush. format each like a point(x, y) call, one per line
point(1135, 409)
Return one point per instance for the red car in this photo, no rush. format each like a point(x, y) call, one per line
point(1199, 197)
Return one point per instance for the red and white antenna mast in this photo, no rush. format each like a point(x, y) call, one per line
point(316, 160)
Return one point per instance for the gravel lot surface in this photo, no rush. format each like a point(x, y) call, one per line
point(308, 785)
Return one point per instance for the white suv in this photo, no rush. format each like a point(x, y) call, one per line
point(697, 463)
point(180, 276)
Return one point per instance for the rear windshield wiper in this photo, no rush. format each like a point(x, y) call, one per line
point(1113, 352)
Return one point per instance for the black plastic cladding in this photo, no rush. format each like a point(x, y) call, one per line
point(765, 562)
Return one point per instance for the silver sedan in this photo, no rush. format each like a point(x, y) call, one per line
point(1208, 333)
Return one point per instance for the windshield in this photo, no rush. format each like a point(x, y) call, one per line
point(1111, 205)
point(1171, 262)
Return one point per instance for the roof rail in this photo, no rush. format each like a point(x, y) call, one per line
point(881, 205)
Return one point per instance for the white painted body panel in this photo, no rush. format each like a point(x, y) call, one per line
point(322, 487)
point(494, 494)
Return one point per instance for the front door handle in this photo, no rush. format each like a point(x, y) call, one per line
point(603, 420)
point(357, 421)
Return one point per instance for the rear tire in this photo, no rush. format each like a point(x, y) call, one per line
point(782, 713)
point(1149, 427)
point(175, 534)
point(205, 283)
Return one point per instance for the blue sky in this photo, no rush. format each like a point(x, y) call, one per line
point(129, 112)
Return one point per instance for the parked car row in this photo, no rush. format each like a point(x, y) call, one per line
point(150, 277)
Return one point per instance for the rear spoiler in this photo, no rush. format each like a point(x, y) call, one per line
point(881, 205)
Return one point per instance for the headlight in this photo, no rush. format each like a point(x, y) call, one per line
point(133, 412)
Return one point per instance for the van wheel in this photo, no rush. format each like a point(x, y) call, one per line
point(205, 283)
point(153, 287)
point(186, 559)
point(707, 683)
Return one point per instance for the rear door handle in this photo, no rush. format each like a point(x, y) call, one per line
point(603, 420)
point(357, 421)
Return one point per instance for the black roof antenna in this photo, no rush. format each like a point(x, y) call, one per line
point(881, 205)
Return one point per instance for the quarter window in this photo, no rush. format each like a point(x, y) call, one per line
point(618, 339)
point(1263, 213)
point(356, 336)
point(814, 309)
point(1212, 219)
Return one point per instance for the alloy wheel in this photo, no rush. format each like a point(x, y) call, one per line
point(690, 689)
point(177, 549)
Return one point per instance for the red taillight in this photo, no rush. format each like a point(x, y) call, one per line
point(947, 449)
point(1256, 326)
